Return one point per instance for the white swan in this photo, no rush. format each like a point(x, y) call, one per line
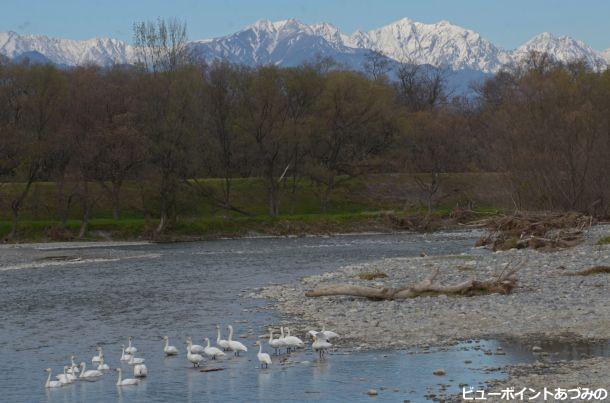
point(293, 341)
point(320, 344)
point(135, 361)
point(52, 384)
point(328, 334)
point(72, 371)
point(125, 356)
point(223, 344)
point(91, 375)
point(140, 371)
point(282, 339)
point(195, 359)
point(169, 350)
point(235, 346)
point(102, 366)
point(125, 382)
point(65, 378)
point(131, 349)
point(212, 352)
point(73, 367)
point(276, 344)
point(195, 348)
point(263, 358)
point(97, 358)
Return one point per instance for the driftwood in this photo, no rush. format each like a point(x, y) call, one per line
point(542, 232)
point(503, 284)
point(591, 270)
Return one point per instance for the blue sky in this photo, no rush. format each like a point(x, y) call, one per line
point(506, 23)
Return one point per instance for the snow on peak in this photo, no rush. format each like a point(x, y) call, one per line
point(290, 41)
point(561, 48)
point(439, 44)
point(101, 51)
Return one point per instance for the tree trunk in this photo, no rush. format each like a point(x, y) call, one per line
point(116, 201)
point(272, 190)
point(84, 224)
point(273, 202)
point(163, 216)
point(16, 207)
point(162, 222)
point(330, 186)
point(86, 210)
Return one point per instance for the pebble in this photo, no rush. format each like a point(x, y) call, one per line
point(372, 392)
point(439, 372)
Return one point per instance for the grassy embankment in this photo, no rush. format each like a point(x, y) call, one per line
point(362, 204)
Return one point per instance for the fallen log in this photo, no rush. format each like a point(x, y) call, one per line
point(503, 284)
point(591, 270)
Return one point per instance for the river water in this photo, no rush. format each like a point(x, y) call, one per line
point(62, 299)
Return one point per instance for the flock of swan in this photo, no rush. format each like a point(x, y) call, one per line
point(194, 354)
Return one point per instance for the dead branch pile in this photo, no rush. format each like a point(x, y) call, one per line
point(536, 231)
point(502, 284)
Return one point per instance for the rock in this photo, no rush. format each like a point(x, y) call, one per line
point(439, 372)
point(467, 361)
point(536, 349)
point(372, 392)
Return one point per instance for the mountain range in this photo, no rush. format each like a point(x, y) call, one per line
point(291, 42)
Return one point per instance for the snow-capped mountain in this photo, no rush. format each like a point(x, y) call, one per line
point(283, 43)
point(290, 42)
point(67, 52)
point(440, 44)
point(562, 48)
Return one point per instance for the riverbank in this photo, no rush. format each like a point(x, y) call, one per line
point(549, 302)
point(197, 229)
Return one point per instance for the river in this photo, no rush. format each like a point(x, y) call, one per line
point(64, 299)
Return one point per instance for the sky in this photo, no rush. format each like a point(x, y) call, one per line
point(507, 23)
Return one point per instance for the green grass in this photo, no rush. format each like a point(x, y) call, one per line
point(199, 228)
point(358, 205)
point(604, 241)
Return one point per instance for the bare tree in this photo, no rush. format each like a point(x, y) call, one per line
point(35, 102)
point(263, 119)
point(162, 46)
point(352, 122)
point(376, 65)
point(421, 87)
point(167, 105)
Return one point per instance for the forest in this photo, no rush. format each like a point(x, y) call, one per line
point(176, 131)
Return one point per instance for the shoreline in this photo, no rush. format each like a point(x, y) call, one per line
point(548, 303)
point(212, 228)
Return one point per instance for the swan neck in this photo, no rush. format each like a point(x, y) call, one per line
point(230, 333)
point(166, 342)
point(83, 370)
point(208, 340)
point(48, 379)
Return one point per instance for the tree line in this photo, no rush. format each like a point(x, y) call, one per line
point(172, 120)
